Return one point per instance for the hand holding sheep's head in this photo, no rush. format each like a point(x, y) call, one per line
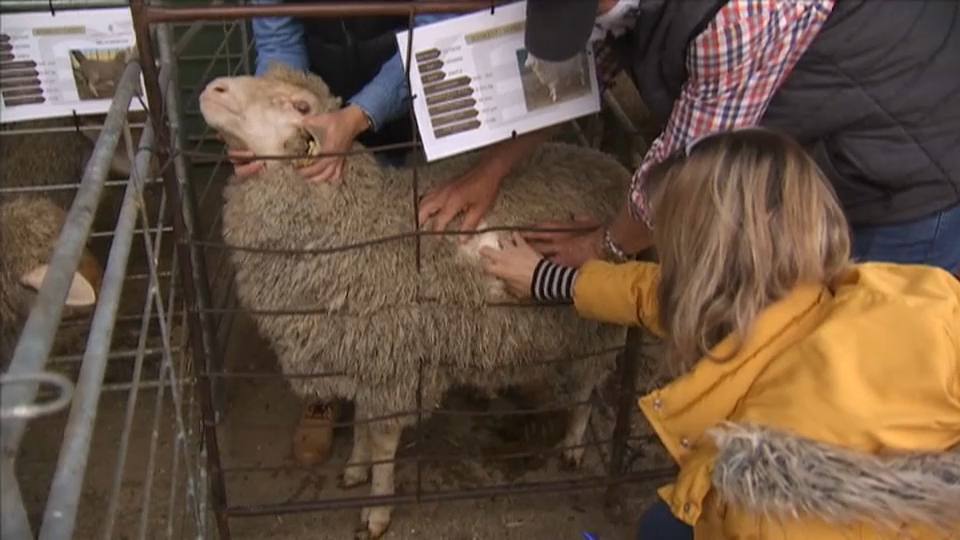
point(265, 114)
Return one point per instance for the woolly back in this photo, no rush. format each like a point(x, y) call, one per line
point(29, 228)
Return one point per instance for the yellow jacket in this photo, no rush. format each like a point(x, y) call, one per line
point(802, 420)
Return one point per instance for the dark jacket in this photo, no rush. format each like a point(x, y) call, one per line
point(875, 99)
point(348, 52)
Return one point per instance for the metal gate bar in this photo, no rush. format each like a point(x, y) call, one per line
point(36, 340)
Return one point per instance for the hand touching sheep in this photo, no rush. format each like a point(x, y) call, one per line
point(514, 263)
point(340, 128)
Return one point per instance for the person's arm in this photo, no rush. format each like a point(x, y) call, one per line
point(278, 39)
point(386, 97)
point(735, 66)
point(624, 294)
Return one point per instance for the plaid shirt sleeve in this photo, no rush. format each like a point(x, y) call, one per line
point(735, 66)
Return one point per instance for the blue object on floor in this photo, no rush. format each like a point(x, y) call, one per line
point(588, 536)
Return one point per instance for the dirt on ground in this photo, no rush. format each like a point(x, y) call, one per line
point(255, 442)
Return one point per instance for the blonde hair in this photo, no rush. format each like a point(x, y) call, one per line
point(739, 220)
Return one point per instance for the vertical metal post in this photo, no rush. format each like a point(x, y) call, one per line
point(14, 524)
point(626, 375)
point(191, 266)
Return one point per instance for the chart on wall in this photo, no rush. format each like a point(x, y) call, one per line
point(63, 63)
point(474, 83)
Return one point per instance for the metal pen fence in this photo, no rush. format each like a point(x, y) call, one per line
point(189, 322)
point(99, 417)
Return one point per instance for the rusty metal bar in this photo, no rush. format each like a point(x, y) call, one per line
point(626, 374)
point(199, 338)
point(326, 9)
point(556, 487)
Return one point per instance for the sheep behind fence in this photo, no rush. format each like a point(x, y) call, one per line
point(397, 326)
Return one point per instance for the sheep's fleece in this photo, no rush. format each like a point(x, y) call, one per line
point(384, 315)
point(29, 228)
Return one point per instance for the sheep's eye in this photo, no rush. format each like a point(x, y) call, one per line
point(301, 106)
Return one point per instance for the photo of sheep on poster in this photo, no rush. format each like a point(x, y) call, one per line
point(547, 83)
point(97, 72)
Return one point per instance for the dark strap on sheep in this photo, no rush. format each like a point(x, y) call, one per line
point(552, 282)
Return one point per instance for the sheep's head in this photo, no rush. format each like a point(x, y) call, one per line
point(265, 114)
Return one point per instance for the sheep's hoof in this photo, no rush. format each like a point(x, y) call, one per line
point(571, 458)
point(354, 476)
point(373, 523)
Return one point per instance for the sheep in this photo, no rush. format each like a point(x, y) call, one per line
point(54, 162)
point(29, 228)
point(388, 325)
point(553, 74)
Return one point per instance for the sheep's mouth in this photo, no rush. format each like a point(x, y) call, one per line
point(312, 149)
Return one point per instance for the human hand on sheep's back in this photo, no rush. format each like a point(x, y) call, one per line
point(340, 128)
point(514, 264)
point(472, 195)
point(571, 248)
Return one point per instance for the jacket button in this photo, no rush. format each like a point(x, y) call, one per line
point(658, 404)
point(686, 508)
point(685, 443)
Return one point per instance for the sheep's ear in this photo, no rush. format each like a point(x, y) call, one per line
point(80, 294)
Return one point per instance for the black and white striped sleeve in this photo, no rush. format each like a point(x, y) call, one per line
point(552, 282)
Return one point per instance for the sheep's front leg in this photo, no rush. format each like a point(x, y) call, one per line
point(357, 470)
point(384, 440)
point(572, 443)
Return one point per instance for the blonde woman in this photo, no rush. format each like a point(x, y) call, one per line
point(814, 397)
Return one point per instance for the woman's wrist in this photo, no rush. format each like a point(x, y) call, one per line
point(625, 237)
point(357, 118)
point(552, 282)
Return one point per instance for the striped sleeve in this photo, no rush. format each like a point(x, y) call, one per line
point(552, 282)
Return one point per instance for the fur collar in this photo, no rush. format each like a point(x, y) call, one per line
point(782, 475)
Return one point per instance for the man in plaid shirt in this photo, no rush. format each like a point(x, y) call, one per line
point(742, 63)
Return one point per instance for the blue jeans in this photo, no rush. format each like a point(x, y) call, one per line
point(659, 523)
point(933, 240)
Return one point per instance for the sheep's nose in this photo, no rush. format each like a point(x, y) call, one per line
point(219, 86)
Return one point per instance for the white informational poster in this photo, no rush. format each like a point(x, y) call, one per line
point(473, 86)
point(63, 63)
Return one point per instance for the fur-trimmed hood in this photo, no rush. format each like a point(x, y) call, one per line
point(781, 475)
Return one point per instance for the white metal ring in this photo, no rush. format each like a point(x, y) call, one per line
point(30, 411)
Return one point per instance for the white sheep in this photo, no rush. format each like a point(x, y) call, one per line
point(554, 74)
point(29, 228)
point(392, 324)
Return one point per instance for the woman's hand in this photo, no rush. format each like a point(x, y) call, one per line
point(472, 195)
point(514, 263)
point(569, 248)
point(244, 166)
point(340, 128)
